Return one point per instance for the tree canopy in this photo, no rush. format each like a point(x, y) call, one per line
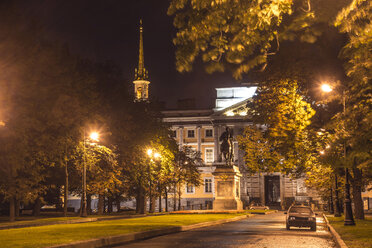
point(239, 35)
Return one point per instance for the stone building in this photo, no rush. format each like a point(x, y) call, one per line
point(201, 130)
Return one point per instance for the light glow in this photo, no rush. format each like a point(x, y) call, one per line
point(243, 113)
point(156, 155)
point(94, 136)
point(149, 152)
point(326, 88)
point(229, 113)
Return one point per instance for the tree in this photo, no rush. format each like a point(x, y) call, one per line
point(239, 35)
point(353, 126)
point(47, 96)
point(20, 178)
point(280, 139)
point(185, 172)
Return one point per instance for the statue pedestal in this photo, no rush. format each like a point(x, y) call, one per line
point(227, 188)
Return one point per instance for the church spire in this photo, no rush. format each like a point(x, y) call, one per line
point(141, 84)
point(141, 72)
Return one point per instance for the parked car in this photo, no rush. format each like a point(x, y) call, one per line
point(301, 216)
point(257, 206)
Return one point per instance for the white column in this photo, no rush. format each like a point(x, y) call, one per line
point(198, 135)
point(180, 141)
point(216, 143)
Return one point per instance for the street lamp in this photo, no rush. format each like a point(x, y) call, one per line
point(156, 156)
point(326, 88)
point(94, 136)
point(348, 219)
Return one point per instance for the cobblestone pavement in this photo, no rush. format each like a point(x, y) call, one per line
point(263, 231)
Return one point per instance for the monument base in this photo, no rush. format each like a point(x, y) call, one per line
point(227, 188)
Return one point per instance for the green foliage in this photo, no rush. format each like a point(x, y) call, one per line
point(280, 141)
point(103, 172)
point(47, 96)
point(355, 20)
point(353, 127)
point(238, 35)
point(186, 165)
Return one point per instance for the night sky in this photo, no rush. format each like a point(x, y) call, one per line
point(109, 30)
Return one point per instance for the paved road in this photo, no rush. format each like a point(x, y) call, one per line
point(264, 231)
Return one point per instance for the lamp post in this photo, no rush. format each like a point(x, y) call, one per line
point(152, 155)
point(93, 136)
point(348, 212)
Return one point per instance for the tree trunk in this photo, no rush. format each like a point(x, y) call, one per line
point(337, 199)
point(166, 199)
point(160, 199)
point(17, 207)
point(117, 201)
point(138, 202)
point(179, 197)
point(37, 206)
point(104, 204)
point(89, 203)
point(65, 193)
point(331, 208)
point(59, 202)
point(81, 206)
point(153, 204)
point(11, 209)
point(141, 201)
point(357, 193)
point(175, 197)
point(109, 204)
point(100, 204)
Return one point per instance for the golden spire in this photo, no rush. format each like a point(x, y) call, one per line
point(141, 72)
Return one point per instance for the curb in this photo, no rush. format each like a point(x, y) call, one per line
point(125, 238)
point(265, 213)
point(336, 237)
point(78, 221)
point(49, 223)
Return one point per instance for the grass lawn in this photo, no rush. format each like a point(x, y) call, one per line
point(45, 219)
point(35, 220)
point(354, 236)
point(59, 234)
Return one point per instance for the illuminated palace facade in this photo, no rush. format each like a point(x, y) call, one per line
point(201, 130)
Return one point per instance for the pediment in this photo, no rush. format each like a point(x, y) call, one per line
point(238, 109)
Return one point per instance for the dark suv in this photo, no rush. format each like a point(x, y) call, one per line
point(301, 216)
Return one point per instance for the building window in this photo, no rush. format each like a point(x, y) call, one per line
point(209, 133)
point(209, 156)
point(174, 133)
point(208, 204)
point(189, 188)
point(208, 185)
point(190, 133)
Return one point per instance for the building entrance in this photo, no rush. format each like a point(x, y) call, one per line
point(272, 190)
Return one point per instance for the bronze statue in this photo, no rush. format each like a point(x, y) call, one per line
point(227, 148)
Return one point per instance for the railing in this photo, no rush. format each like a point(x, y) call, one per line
point(197, 207)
